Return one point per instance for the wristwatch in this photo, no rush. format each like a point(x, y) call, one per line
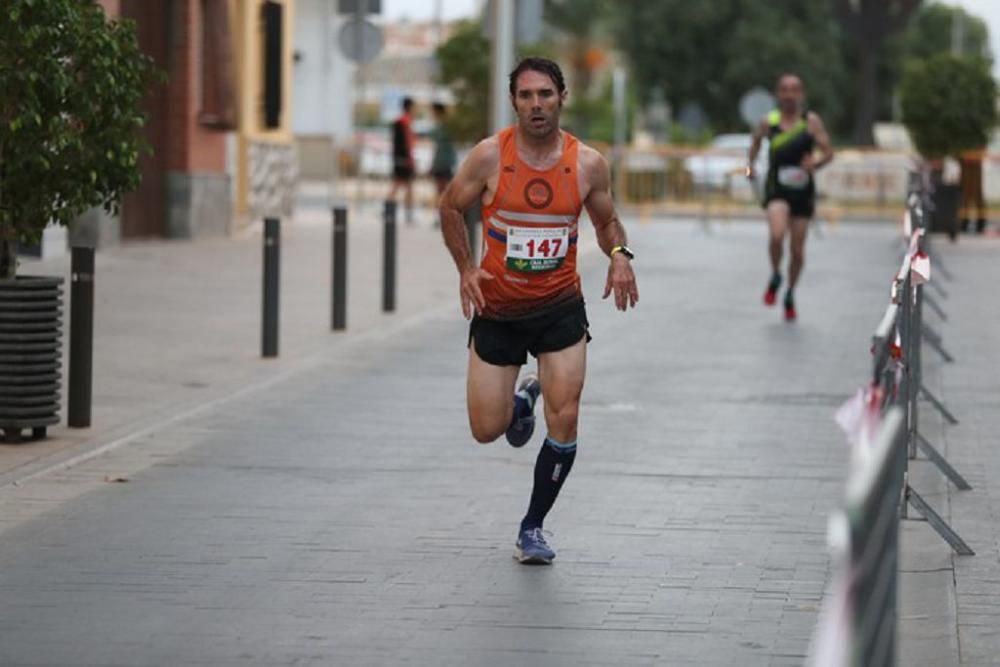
point(623, 249)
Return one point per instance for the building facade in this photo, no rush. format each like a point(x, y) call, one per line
point(219, 125)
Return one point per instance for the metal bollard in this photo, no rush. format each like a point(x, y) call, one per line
point(81, 338)
point(389, 257)
point(272, 272)
point(339, 271)
point(473, 219)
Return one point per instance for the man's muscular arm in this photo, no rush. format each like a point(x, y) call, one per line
point(461, 193)
point(609, 229)
point(823, 143)
point(758, 138)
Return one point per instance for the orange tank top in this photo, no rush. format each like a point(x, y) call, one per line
point(530, 232)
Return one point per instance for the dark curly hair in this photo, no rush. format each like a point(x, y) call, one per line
point(540, 65)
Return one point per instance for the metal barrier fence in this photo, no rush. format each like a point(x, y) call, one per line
point(706, 182)
point(858, 623)
point(710, 182)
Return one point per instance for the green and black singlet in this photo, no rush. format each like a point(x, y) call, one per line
point(786, 179)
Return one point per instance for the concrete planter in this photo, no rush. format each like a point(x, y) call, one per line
point(30, 356)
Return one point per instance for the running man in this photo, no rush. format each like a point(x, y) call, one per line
point(533, 180)
point(789, 189)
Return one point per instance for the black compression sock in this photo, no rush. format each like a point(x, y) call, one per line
point(552, 466)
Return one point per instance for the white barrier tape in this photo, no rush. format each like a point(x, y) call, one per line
point(832, 639)
point(920, 268)
point(859, 418)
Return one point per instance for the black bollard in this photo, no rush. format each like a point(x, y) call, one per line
point(81, 337)
point(339, 271)
point(389, 258)
point(473, 223)
point(272, 256)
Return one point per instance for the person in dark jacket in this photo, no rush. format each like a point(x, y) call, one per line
point(402, 157)
point(443, 164)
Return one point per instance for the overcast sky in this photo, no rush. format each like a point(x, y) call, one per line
point(989, 11)
point(422, 10)
point(455, 9)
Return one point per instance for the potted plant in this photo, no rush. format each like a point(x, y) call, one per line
point(949, 107)
point(70, 123)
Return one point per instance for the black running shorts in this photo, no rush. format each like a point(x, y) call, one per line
point(507, 342)
point(402, 172)
point(801, 203)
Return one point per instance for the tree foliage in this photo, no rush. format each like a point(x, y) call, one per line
point(711, 52)
point(464, 66)
point(868, 25)
point(930, 33)
point(582, 23)
point(949, 104)
point(70, 114)
point(850, 53)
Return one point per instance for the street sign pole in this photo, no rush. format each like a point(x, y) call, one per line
point(618, 95)
point(502, 62)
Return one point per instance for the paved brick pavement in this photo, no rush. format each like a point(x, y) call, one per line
point(340, 513)
point(971, 389)
point(177, 324)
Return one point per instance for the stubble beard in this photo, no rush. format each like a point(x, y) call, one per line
point(546, 131)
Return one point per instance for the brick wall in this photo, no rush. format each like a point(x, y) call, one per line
point(111, 7)
point(194, 147)
point(170, 31)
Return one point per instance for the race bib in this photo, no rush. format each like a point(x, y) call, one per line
point(795, 178)
point(536, 250)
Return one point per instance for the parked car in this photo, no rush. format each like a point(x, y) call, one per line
point(723, 161)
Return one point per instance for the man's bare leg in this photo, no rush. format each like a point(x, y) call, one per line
point(490, 393)
point(777, 226)
point(408, 198)
point(799, 233)
point(562, 375)
point(800, 230)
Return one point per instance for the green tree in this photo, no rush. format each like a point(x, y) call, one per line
point(583, 22)
point(592, 117)
point(70, 120)
point(930, 33)
point(584, 26)
point(464, 66)
point(868, 24)
point(948, 104)
point(713, 51)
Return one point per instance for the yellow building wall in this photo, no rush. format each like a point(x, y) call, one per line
point(253, 139)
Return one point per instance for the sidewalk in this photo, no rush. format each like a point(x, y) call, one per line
point(177, 324)
point(971, 389)
point(331, 509)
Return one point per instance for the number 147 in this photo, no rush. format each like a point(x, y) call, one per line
point(547, 248)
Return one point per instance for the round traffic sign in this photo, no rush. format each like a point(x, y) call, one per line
point(360, 40)
point(754, 104)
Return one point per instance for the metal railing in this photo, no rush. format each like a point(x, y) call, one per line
point(858, 623)
point(902, 332)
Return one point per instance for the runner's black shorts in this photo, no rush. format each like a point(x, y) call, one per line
point(507, 342)
point(801, 203)
point(402, 172)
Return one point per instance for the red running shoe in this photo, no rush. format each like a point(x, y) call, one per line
point(790, 314)
point(771, 295)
